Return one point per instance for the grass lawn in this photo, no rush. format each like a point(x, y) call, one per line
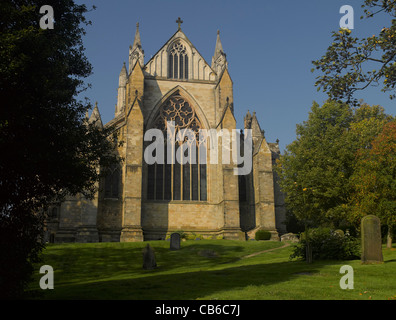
point(205, 269)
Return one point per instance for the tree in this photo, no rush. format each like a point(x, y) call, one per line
point(375, 179)
point(316, 168)
point(313, 174)
point(352, 64)
point(48, 147)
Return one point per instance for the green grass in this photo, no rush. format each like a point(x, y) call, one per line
point(114, 271)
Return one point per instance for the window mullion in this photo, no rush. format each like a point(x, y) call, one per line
point(189, 164)
point(199, 174)
point(181, 177)
point(155, 181)
point(172, 168)
point(178, 67)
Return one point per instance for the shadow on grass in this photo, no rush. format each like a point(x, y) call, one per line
point(183, 286)
point(180, 275)
point(90, 261)
point(199, 268)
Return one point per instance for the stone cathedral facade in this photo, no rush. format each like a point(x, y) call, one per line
point(139, 201)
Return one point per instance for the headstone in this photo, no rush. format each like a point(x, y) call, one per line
point(339, 232)
point(308, 245)
point(149, 262)
point(175, 241)
point(289, 237)
point(371, 240)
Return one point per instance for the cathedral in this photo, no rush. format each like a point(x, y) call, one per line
point(140, 200)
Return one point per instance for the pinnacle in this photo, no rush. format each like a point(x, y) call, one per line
point(219, 47)
point(136, 42)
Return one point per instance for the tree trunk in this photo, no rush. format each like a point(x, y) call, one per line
point(308, 252)
point(389, 237)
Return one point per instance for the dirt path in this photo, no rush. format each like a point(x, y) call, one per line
point(260, 252)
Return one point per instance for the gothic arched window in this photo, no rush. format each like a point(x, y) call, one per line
point(112, 182)
point(178, 61)
point(179, 180)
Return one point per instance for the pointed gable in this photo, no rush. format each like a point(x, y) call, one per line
point(135, 85)
point(228, 120)
point(196, 67)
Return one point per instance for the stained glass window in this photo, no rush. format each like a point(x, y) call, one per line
point(179, 181)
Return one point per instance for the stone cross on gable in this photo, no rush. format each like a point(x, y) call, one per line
point(179, 22)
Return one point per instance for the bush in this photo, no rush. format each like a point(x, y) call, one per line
point(191, 236)
point(182, 234)
point(262, 235)
point(327, 245)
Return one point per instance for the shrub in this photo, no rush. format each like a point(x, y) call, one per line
point(262, 235)
point(182, 234)
point(327, 245)
point(191, 236)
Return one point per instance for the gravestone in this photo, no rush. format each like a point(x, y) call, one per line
point(371, 240)
point(289, 237)
point(175, 241)
point(149, 262)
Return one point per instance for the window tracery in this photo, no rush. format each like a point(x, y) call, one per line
point(177, 181)
point(178, 61)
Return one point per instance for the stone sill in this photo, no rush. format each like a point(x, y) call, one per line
point(175, 202)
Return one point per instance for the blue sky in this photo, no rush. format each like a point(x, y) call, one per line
point(269, 47)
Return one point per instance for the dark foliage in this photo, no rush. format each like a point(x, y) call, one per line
point(48, 148)
point(262, 235)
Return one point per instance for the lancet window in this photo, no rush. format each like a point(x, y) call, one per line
point(178, 62)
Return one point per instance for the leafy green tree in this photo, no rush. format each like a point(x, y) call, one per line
point(313, 173)
point(48, 147)
point(374, 180)
point(352, 64)
point(316, 168)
